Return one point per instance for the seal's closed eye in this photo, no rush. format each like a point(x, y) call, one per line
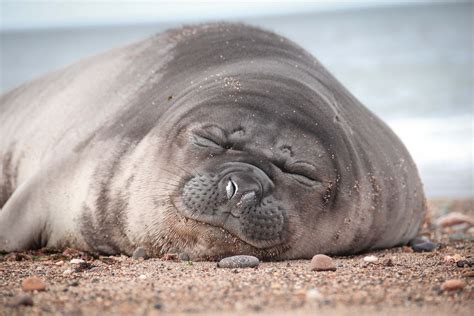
point(209, 136)
point(205, 141)
point(300, 171)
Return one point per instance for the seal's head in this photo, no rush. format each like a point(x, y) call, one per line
point(253, 177)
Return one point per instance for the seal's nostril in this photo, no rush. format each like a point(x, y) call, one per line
point(231, 188)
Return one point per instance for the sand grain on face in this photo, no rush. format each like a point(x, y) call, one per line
point(399, 282)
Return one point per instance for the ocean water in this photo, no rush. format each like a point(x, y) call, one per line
point(413, 66)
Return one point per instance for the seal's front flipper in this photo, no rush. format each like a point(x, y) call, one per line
point(22, 223)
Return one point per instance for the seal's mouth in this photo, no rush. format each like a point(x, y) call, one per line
point(230, 224)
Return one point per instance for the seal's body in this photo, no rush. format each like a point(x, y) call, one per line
point(211, 140)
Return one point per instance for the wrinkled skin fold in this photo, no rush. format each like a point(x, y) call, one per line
point(209, 140)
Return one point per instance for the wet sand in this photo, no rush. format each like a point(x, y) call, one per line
point(399, 282)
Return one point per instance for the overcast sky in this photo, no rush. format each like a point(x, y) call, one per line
point(21, 14)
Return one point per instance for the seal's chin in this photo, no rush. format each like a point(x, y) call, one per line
point(226, 223)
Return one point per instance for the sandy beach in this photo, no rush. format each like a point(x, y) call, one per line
point(399, 281)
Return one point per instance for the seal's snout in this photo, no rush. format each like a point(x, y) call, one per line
point(239, 199)
point(243, 189)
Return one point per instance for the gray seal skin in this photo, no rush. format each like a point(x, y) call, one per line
point(210, 140)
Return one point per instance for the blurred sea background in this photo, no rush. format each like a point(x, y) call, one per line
point(411, 62)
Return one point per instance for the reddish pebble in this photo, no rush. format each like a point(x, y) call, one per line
point(322, 263)
point(170, 256)
point(33, 284)
point(455, 218)
point(453, 285)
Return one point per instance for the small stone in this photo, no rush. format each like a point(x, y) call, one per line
point(370, 259)
point(59, 263)
point(239, 262)
point(33, 284)
point(83, 266)
point(184, 257)
point(468, 274)
point(314, 295)
point(76, 261)
point(24, 300)
point(322, 263)
point(454, 218)
point(454, 258)
point(387, 262)
point(157, 306)
point(74, 283)
point(424, 247)
point(142, 277)
point(139, 253)
point(170, 256)
point(13, 256)
point(453, 285)
point(423, 244)
point(462, 264)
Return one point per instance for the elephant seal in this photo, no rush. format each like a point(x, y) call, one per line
point(211, 140)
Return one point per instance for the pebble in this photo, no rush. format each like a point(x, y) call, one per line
point(83, 266)
point(468, 274)
point(424, 247)
point(423, 244)
point(387, 262)
point(59, 263)
point(454, 258)
point(239, 262)
point(139, 253)
point(322, 263)
point(68, 271)
point(33, 284)
point(370, 259)
point(184, 257)
point(23, 299)
point(454, 218)
point(142, 277)
point(76, 261)
point(170, 256)
point(74, 283)
point(453, 285)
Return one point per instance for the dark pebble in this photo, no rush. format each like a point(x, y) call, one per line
point(387, 262)
point(239, 262)
point(83, 266)
point(463, 263)
point(24, 300)
point(424, 247)
point(74, 283)
point(184, 257)
point(139, 253)
point(157, 306)
point(423, 244)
